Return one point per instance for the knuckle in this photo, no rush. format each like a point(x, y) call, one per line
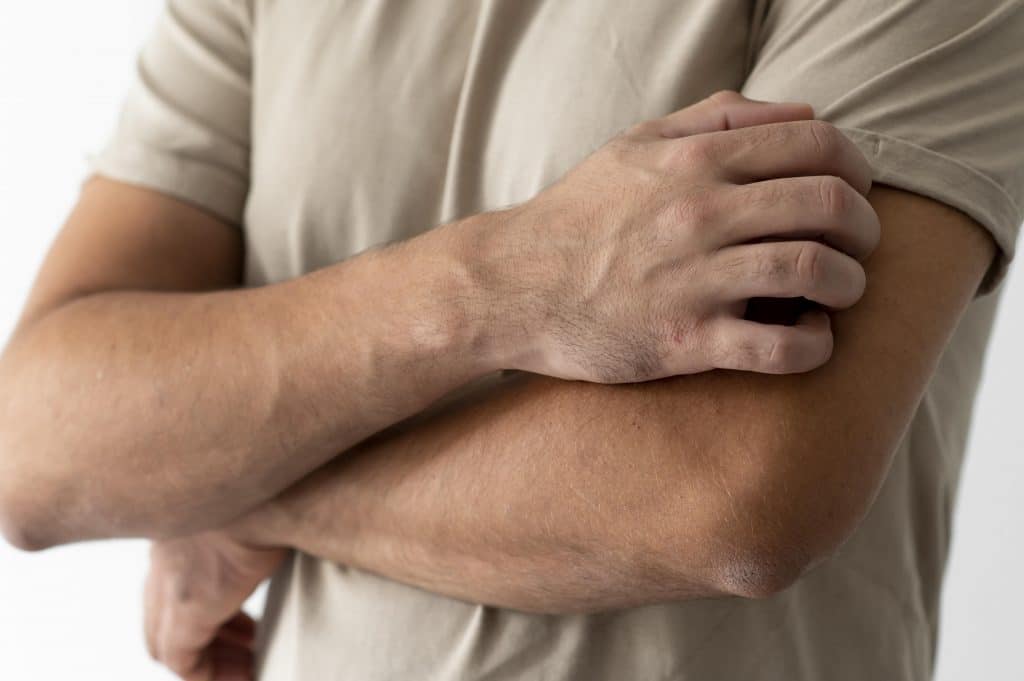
point(723, 102)
point(808, 262)
point(825, 137)
point(750, 354)
point(834, 194)
point(766, 195)
point(726, 96)
point(771, 263)
point(730, 352)
point(782, 353)
point(693, 210)
point(641, 129)
point(621, 150)
point(622, 144)
point(694, 151)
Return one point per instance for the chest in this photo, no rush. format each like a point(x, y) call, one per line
point(376, 120)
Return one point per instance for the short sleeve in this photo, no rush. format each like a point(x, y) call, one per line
point(931, 92)
point(185, 124)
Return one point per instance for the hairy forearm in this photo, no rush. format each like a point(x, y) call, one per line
point(535, 494)
point(182, 409)
point(553, 496)
point(626, 269)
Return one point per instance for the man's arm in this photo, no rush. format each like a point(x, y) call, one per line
point(139, 400)
point(561, 497)
point(140, 367)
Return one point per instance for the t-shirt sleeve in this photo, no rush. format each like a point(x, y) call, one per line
point(185, 124)
point(931, 92)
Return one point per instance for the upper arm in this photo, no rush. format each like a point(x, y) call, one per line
point(930, 93)
point(164, 210)
point(122, 237)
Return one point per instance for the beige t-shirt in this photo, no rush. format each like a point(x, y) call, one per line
point(323, 127)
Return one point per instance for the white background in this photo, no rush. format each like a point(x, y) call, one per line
point(74, 613)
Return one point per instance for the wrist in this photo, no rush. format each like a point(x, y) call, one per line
point(487, 291)
point(497, 289)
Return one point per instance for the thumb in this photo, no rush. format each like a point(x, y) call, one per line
point(728, 110)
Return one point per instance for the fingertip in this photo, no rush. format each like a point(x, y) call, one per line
point(815, 318)
point(820, 322)
point(800, 110)
point(863, 178)
point(805, 106)
point(868, 181)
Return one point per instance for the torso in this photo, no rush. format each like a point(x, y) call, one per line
point(390, 118)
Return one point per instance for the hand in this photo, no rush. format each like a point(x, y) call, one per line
point(193, 604)
point(639, 263)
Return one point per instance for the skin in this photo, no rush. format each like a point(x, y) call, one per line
point(715, 521)
point(110, 374)
point(657, 489)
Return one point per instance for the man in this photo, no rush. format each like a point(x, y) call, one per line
point(489, 517)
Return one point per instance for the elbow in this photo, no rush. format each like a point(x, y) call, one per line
point(783, 526)
point(19, 526)
point(28, 502)
point(27, 506)
point(38, 514)
point(764, 572)
point(23, 536)
point(40, 511)
point(33, 506)
point(21, 523)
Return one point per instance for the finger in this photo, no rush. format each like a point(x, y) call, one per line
point(242, 623)
point(822, 208)
point(727, 110)
point(184, 639)
point(239, 630)
point(151, 614)
point(788, 269)
point(773, 348)
point(196, 666)
point(789, 149)
point(230, 662)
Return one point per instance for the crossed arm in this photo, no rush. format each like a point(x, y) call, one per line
point(553, 496)
point(145, 394)
point(591, 495)
point(537, 494)
point(140, 366)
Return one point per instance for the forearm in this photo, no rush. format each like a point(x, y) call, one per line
point(182, 409)
point(540, 495)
